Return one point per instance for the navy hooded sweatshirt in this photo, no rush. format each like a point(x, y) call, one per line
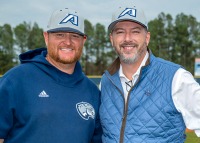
point(41, 104)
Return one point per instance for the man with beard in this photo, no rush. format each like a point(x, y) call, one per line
point(145, 99)
point(47, 98)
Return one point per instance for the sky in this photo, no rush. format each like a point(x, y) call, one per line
point(15, 12)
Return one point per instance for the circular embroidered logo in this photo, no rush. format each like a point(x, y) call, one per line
point(85, 110)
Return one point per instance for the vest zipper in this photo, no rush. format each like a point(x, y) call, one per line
point(121, 139)
point(125, 114)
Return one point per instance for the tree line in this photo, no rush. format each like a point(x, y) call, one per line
point(177, 40)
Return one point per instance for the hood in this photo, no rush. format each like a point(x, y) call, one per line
point(37, 57)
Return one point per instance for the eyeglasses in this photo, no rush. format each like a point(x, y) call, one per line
point(62, 36)
point(129, 84)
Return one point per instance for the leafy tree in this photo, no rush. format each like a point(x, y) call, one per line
point(110, 54)
point(158, 35)
point(95, 49)
point(184, 40)
point(87, 51)
point(7, 54)
point(99, 48)
point(22, 32)
point(35, 38)
point(176, 40)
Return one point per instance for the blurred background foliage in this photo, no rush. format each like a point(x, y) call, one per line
point(176, 40)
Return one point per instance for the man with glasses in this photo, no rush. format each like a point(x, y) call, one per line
point(47, 98)
point(145, 99)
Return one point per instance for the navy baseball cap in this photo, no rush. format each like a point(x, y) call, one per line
point(128, 14)
point(65, 20)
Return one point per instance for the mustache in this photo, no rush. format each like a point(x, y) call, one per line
point(131, 44)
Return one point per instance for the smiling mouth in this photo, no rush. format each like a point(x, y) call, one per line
point(128, 47)
point(66, 49)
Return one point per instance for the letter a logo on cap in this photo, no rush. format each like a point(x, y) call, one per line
point(130, 11)
point(70, 18)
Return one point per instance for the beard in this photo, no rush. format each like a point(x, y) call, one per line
point(140, 50)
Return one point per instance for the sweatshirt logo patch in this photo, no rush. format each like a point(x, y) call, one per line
point(85, 110)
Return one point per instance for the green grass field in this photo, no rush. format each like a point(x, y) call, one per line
point(192, 138)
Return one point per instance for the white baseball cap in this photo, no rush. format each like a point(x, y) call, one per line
point(65, 20)
point(128, 14)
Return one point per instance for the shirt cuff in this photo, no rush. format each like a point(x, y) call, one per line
point(197, 132)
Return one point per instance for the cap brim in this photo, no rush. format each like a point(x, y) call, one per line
point(66, 29)
point(112, 25)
